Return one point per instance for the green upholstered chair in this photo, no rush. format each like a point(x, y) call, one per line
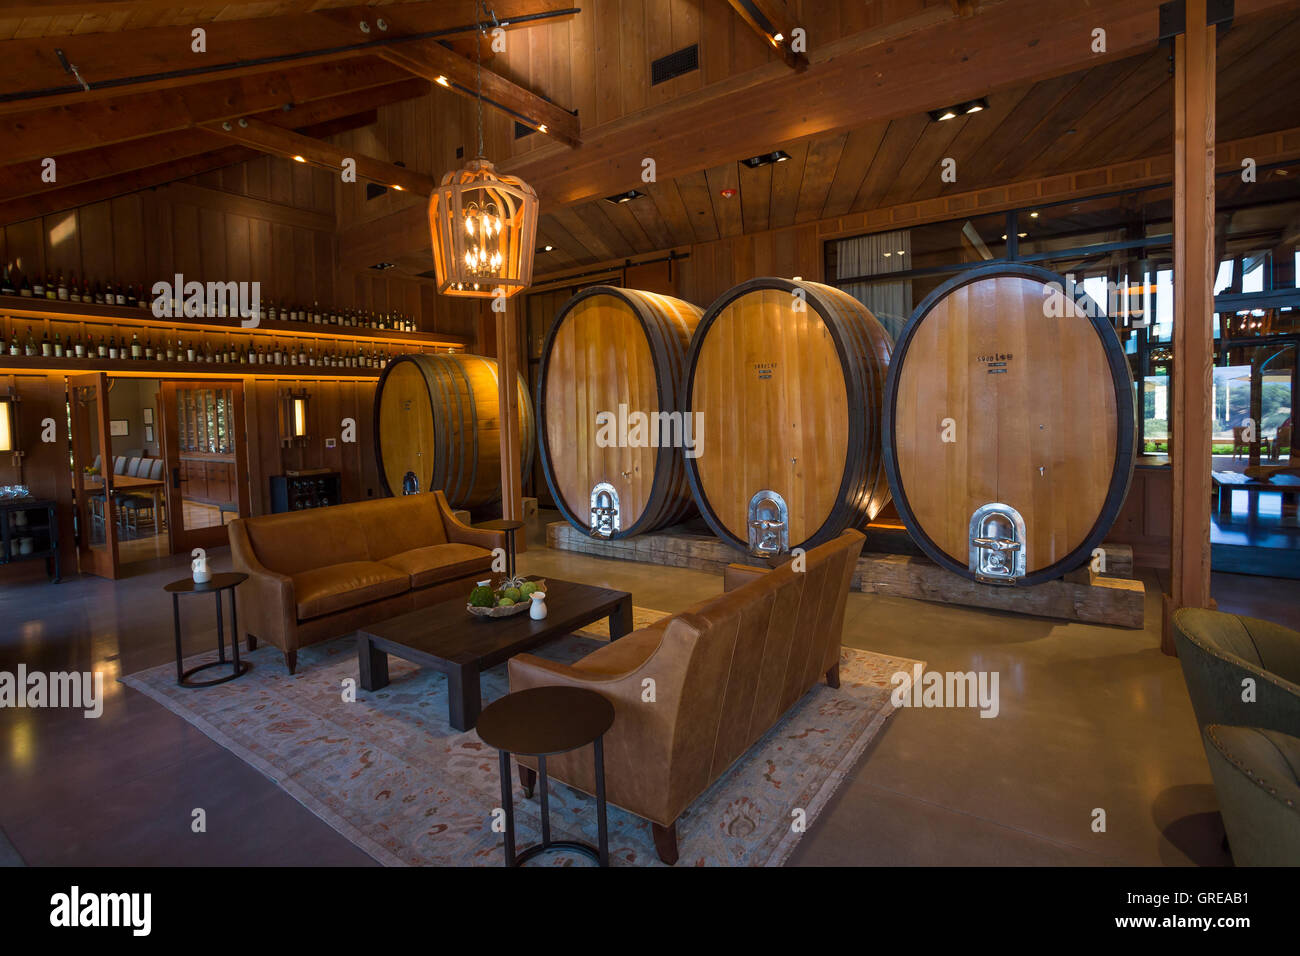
point(1257, 779)
point(1219, 651)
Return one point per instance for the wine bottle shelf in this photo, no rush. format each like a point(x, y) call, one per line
point(154, 369)
point(26, 307)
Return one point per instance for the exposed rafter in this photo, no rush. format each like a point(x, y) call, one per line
point(438, 64)
point(74, 169)
point(911, 67)
point(159, 58)
point(775, 25)
point(36, 134)
point(68, 197)
point(263, 136)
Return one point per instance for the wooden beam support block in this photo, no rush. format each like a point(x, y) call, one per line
point(1097, 599)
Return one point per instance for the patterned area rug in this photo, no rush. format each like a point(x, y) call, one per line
point(389, 773)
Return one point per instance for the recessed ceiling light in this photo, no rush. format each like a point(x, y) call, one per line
point(1033, 215)
point(766, 159)
point(778, 37)
point(299, 159)
point(400, 189)
point(547, 248)
point(542, 128)
point(442, 81)
point(628, 196)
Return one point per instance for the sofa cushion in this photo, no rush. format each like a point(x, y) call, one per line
point(390, 526)
point(440, 562)
point(626, 654)
point(301, 541)
point(337, 587)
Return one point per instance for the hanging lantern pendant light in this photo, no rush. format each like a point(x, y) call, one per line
point(483, 224)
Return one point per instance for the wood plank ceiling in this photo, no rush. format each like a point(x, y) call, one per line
point(1115, 112)
point(121, 138)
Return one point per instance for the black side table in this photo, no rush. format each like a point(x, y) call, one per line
point(221, 581)
point(542, 721)
point(509, 526)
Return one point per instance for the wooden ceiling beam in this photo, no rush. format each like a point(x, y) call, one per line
point(57, 200)
point(263, 136)
point(447, 68)
point(160, 175)
point(772, 21)
point(24, 179)
point(156, 58)
point(51, 132)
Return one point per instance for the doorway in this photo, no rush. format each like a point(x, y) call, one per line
point(94, 484)
point(206, 461)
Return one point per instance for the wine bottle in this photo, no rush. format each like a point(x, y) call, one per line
point(38, 287)
point(61, 288)
point(7, 283)
point(74, 289)
point(137, 350)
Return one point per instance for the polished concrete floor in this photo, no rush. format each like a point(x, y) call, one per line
point(1092, 718)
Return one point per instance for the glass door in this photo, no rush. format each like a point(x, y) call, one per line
point(92, 475)
point(207, 462)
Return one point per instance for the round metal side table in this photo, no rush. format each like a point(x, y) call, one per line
point(221, 581)
point(539, 722)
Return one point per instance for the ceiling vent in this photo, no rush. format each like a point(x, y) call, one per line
point(675, 64)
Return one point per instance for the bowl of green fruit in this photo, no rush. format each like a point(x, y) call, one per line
point(510, 597)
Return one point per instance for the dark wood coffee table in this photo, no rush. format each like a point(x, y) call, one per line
point(447, 637)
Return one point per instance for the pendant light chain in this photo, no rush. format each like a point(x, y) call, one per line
point(482, 224)
point(478, 56)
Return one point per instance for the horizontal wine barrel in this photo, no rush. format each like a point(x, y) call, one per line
point(620, 352)
point(1009, 432)
point(438, 427)
point(790, 377)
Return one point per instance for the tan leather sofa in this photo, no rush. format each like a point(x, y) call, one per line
point(725, 671)
point(321, 573)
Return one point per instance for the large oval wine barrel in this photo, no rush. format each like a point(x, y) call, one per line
point(1009, 433)
point(789, 377)
point(438, 427)
point(617, 354)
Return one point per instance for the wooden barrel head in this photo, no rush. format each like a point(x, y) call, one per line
point(1005, 390)
point(617, 354)
point(406, 427)
point(790, 378)
point(437, 418)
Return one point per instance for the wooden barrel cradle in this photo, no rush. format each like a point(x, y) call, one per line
point(620, 352)
point(1009, 432)
point(790, 378)
point(438, 426)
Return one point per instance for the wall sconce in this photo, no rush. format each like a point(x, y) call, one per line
point(9, 425)
point(293, 417)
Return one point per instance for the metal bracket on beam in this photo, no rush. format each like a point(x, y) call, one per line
point(1173, 16)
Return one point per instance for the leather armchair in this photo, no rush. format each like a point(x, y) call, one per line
point(723, 671)
point(1218, 652)
point(1257, 779)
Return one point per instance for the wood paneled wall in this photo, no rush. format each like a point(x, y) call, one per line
point(44, 466)
point(330, 403)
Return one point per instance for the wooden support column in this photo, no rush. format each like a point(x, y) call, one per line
point(1193, 338)
point(512, 505)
